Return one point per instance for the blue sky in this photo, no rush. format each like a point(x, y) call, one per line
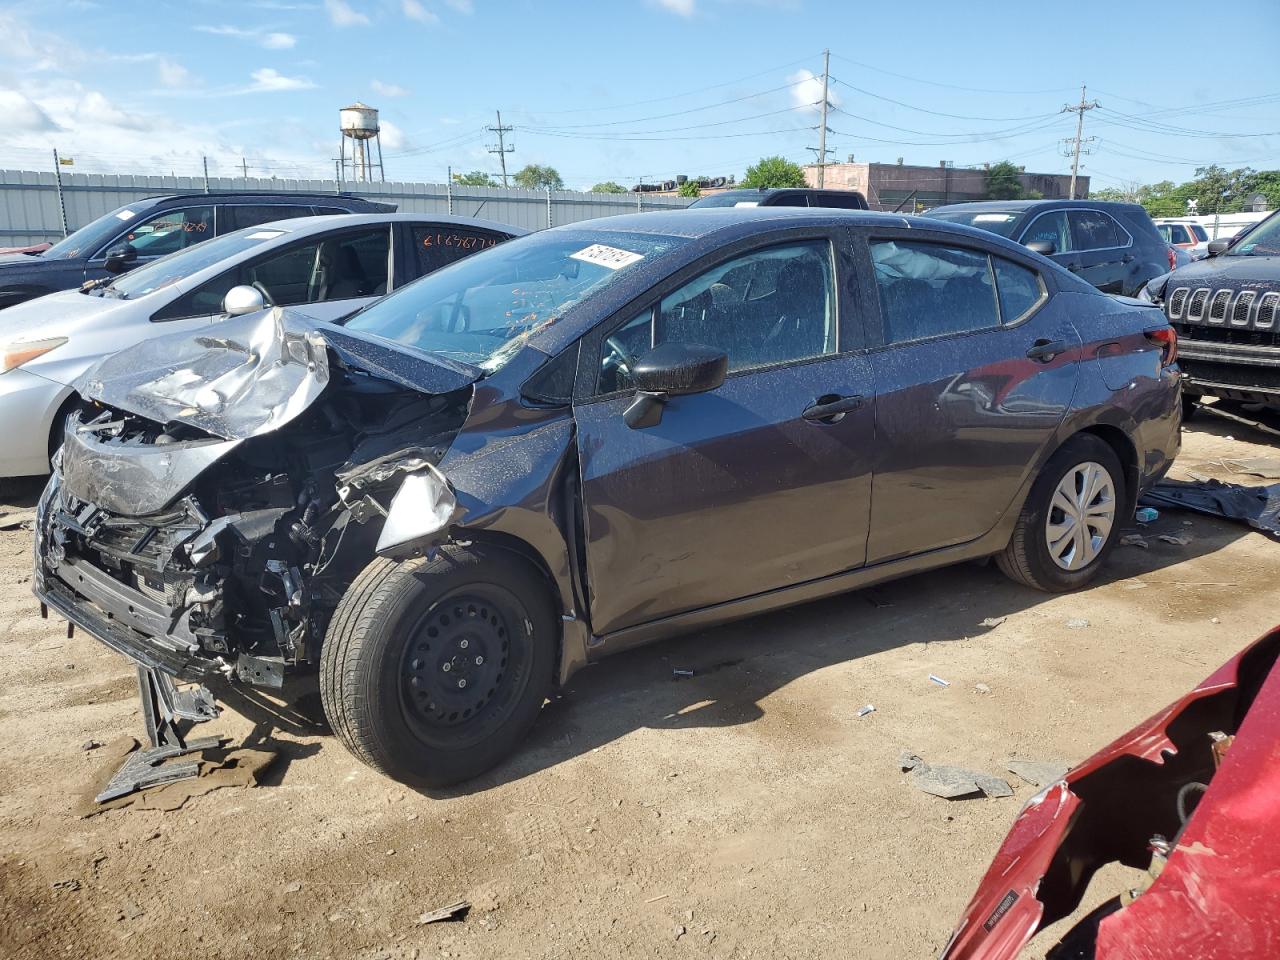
point(636, 88)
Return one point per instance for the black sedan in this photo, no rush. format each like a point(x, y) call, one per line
point(588, 438)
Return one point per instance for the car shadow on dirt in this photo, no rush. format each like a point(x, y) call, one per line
point(736, 667)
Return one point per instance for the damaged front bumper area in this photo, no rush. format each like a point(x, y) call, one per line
point(205, 518)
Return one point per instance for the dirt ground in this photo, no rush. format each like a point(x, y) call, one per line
point(743, 812)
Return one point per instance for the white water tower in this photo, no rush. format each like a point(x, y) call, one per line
point(359, 124)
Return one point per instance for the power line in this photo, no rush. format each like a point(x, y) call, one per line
point(947, 86)
point(938, 113)
point(610, 135)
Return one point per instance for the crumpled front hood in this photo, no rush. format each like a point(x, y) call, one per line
point(251, 375)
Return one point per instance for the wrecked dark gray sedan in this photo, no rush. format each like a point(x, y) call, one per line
point(586, 439)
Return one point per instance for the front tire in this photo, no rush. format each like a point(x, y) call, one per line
point(433, 671)
point(1071, 519)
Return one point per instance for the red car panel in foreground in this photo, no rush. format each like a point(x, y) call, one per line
point(1193, 796)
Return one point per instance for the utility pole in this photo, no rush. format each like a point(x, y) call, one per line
point(244, 168)
point(822, 130)
point(503, 148)
point(206, 173)
point(57, 176)
point(1079, 111)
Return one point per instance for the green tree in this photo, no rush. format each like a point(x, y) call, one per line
point(1267, 183)
point(608, 187)
point(476, 178)
point(774, 172)
point(689, 189)
point(537, 176)
point(1003, 182)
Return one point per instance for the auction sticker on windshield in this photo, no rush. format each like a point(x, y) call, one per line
point(266, 234)
point(125, 215)
point(605, 256)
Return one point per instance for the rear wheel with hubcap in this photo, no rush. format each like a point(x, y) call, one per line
point(1068, 524)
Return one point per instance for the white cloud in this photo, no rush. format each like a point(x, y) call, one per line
point(94, 108)
point(806, 90)
point(23, 114)
point(392, 136)
point(270, 40)
point(342, 14)
point(268, 80)
point(414, 10)
point(388, 89)
point(683, 8)
point(173, 74)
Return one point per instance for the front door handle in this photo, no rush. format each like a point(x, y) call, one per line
point(1046, 350)
point(1128, 258)
point(831, 408)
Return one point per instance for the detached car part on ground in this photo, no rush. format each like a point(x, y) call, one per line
point(1190, 796)
point(1226, 309)
point(586, 439)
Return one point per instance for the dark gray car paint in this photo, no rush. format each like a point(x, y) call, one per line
point(642, 533)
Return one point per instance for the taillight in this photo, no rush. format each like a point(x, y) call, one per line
point(1173, 259)
point(1167, 338)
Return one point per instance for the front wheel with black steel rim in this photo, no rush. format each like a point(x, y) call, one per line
point(1069, 522)
point(432, 671)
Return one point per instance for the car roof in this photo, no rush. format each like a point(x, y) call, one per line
point(1012, 206)
point(698, 222)
point(305, 226)
point(256, 195)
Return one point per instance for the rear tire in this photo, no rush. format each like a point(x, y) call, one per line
point(1190, 406)
point(1046, 551)
point(432, 671)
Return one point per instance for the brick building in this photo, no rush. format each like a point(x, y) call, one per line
point(893, 186)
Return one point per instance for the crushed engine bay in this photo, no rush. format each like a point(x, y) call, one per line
point(199, 543)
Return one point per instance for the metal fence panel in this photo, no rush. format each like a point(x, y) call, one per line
point(29, 211)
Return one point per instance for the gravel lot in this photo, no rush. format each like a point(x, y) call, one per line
point(743, 812)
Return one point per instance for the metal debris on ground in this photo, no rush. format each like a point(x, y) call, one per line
point(1146, 515)
point(1038, 773)
point(1258, 506)
point(869, 708)
point(1134, 540)
point(952, 783)
point(454, 911)
point(1077, 623)
point(1266, 467)
point(993, 621)
point(682, 673)
point(939, 681)
point(15, 521)
point(1181, 539)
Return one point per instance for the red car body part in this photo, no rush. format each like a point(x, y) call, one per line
point(1218, 895)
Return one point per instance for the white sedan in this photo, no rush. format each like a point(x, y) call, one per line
point(329, 266)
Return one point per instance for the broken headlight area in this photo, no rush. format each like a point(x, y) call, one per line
point(201, 555)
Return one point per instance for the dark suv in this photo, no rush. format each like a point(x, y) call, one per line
point(1113, 246)
point(783, 197)
point(146, 229)
point(1226, 309)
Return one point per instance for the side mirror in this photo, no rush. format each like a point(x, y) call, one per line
point(672, 370)
point(1046, 248)
point(120, 258)
point(1218, 246)
point(243, 299)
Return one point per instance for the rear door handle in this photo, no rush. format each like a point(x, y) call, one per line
point(1046, 350)
point(831, 408)
point(1127, 258)
point(1073, 267)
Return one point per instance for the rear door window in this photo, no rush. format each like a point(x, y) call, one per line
point(1199, 231)
point(1020, 289)
point(251, 215)
point(932, 289)
point(437, 245)
point(1094, 230)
